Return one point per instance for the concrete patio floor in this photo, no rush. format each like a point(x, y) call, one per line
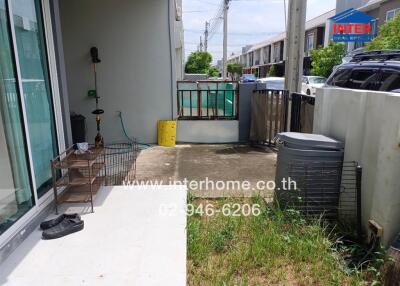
point(219, 162)
point(127, 241)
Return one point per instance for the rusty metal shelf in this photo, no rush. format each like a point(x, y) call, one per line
point(70, 160)
point(85, 174)
point(82, 193)
point(77, 177)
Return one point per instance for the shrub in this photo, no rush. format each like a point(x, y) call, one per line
point(324, 59)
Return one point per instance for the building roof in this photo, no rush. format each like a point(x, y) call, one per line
point(234, 56)
point(371, 4)
point(319, 20)
point(310, 24)
point(269, 41)
point(351, 16)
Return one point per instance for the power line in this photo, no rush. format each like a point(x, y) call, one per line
point(225, 40)
point(216, 24)
point(196, 11)
point(206, 36)
point(235, 33)
point(216, 21)
point(206, 2)
point(212, 51)
point(250, 0)
point(229, 45)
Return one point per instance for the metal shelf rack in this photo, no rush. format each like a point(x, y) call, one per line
point(82, 175)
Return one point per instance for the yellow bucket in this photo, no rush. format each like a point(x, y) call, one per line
point(166, 133)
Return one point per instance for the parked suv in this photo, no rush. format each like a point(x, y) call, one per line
point(376, 70)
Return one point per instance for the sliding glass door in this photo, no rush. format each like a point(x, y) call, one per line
point(34, 72)
point(28, 138)
point(16, 197)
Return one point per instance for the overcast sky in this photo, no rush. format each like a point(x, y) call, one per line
point(249, 22)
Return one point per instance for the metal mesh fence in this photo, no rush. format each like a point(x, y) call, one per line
point(120, 163)
point(328, 189)
point(317, 188)
point(350, 196)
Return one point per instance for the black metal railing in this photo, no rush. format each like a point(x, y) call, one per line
point(208, 100)
point(302, 113)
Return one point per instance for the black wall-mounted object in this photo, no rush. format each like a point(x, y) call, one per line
point(94, 53)
point(78, 127)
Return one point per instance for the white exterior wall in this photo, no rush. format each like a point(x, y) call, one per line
point(179, 41)
point(208, 131)
point(234, 60)
point(257, 57)
point(265, 55)
point(137, 72)
point(272, 54)
point(328, 32)
point(369, 124)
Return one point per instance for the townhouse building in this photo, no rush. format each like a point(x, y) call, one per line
point(261, 57)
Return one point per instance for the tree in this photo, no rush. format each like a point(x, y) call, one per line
point(273, 71)
point(235, 69)
point(198, 62)
point(388, 36)
point(213, 72)
point(324, 59)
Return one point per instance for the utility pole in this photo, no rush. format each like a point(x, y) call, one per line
point(225, 48)
point(206, 37)
point(295, 32)
point(201, 44)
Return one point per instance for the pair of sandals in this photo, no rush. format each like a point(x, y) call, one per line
point(61, 226)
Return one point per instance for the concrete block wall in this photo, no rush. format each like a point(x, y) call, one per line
point(369, 124)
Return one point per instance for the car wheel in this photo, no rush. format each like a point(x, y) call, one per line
point(308, 92)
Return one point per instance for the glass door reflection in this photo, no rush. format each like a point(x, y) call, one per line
point(16, 197)
point(32, 60)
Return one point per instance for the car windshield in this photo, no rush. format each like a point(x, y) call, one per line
point(317, 80)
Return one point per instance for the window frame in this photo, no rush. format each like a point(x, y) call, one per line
point(394, 11)
point(308, 46)
point(42, 202)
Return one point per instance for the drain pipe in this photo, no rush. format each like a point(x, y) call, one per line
point(172, 56)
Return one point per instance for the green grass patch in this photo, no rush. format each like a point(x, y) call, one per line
point(275, 248)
